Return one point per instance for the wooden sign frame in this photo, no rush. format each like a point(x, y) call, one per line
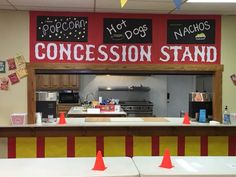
point(214, 70)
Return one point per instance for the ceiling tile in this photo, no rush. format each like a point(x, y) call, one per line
point(62, 9)
point(209, 8)
point(6, 7)
point(136, 5)
point(109, 10)
point(54, 3)
point(151, 5)
point(4, 2)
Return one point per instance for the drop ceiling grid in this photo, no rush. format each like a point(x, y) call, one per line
point(132, 6)
point(5, 5)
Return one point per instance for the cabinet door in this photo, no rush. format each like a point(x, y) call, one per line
point(74, 81)
point(42, 81)
point(65, 81)
point(55, 81)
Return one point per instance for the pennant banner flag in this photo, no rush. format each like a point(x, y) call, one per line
point(177, 4)
point(123, 2)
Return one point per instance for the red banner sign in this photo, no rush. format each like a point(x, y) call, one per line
point(124, 38)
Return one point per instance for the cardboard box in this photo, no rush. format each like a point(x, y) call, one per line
point(18, 118)
point(106, 108)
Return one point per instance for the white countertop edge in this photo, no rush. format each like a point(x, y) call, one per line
point(80, 122)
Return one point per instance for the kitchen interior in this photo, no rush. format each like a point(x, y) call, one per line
point(122, 95)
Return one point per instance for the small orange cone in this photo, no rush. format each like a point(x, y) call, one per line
point(186, 119)
point(99, 163)
point(166, 161)
point(62, 119)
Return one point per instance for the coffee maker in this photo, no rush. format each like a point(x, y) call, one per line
point(198, 101)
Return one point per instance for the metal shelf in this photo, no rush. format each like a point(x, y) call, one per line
point(133, 88)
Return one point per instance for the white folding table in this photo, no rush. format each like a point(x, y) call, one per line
point(66, 167)
point(207, 166)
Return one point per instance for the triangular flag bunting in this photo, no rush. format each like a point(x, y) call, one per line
point(177, 4)
point(123, 2)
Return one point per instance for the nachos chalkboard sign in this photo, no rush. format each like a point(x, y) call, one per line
point(62, 28)
point(127, 31)
point(191, 31)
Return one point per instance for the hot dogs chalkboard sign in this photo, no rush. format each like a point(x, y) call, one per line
point(191, 31)
point(62, 28)
point(127, 31)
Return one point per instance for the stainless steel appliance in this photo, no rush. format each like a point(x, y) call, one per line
point(137, 108)
point(46, 103)
point(68, 97)
point(46, 96)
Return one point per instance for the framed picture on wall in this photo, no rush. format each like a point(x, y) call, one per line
point(2, 67)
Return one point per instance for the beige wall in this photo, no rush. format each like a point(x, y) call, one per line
point(14, 39)
point(228, 58)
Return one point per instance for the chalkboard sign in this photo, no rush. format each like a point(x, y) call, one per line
point(191, 32)
point(61, 28)
point(127, 31)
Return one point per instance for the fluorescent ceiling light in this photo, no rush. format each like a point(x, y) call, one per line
point(211, 1)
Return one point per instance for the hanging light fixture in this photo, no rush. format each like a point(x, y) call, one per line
point(123, 2)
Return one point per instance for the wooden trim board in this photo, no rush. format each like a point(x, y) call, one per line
point(215, 70)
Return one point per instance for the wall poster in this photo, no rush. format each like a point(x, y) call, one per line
point(2, 66)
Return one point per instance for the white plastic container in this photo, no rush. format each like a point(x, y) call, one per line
point(38, 116)
point(233, 118)
point(100, 100)
point(117, 108)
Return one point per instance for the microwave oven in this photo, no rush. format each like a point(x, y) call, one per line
point(65, 97)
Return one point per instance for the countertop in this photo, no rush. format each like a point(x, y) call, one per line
point(123, 122)
point(119, 126)
point(78, 111)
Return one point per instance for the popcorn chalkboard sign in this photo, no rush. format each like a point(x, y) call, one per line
point(62, 28)
point(132, 31)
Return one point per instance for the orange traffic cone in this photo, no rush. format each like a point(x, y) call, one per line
point(186, 119)
point(99, 163)
point(166, 161)
point(62, 119)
